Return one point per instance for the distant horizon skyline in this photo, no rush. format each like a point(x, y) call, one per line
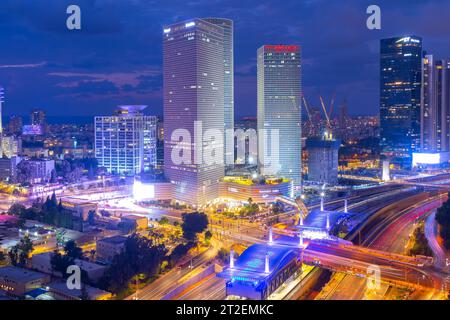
point(116, 58)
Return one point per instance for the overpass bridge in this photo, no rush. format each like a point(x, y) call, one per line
point(263, 267)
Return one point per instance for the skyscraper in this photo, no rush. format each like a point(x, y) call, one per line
point(2, 100)
point(193, 98)
point(279, 93)
point(400, 94)
point(228, 59)
point(38, 118)
point(126, 142)
point(435, 106)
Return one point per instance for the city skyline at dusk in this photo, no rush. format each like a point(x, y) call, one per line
point(243, 152)
point(115, 59)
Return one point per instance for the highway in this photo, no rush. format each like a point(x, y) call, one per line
point(389, 232)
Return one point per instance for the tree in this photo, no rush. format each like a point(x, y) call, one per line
point(164, 220)
point(54, 177)
point(140, 256)
point(2, 257)
point(443, 219)
point(208, 235)
point(193, 223)
point(18, 255)
point(60, 263)
point(17, 209)
point(72, 250)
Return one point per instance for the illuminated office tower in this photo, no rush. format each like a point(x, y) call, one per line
point(193, 95)
point(2, 100)
point(400, 95)
point(435, 106)
point(38, 119)
point(279, 92)
point(125, 143)
point(228, 81)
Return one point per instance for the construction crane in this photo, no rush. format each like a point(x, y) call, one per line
point(326, 113)
point(307, 109)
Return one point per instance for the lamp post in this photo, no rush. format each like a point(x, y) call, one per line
point(322, 195)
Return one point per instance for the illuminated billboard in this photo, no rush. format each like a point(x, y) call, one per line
point(427, 158)
point(142, 191)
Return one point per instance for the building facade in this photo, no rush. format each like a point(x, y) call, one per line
point(2, 100)
point(228, 81)
point(323, 160)
point(15, 125)
point(435, 106)
point(400, 97)
point(39, 119)
point(279, 110)
point(193, 104)
point(126, 142)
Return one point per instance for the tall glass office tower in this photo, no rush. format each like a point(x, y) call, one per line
point(193, 96)
point(228, 81)
point(435, 105)
point(400, 95)
point(126, 142)
point(279, 94)
point(2, 100)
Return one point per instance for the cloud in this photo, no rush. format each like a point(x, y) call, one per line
point(23, 66)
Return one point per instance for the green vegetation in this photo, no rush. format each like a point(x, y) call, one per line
point(60, 262)
point(50, 212)
point(420, 243)
point(18, 255)
point(193, 223)
point(140, 259)
point(443, 219)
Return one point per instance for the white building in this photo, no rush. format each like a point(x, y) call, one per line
point(193, 102)
point(279, 94)
point(126, 142)
point(11, 146)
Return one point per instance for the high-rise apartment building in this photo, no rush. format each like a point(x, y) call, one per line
point(193, 98)
point(435, 106)
point(400, 96)
point(125, 143)
point(279, 94)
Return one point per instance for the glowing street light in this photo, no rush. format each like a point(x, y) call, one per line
point(322, 195)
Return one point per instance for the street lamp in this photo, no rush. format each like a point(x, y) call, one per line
point(322, 195)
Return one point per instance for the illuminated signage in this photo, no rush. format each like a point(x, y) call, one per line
point(143, 191)
point(167, 30)
point(189, 24)
point(408, 39)
point(282, 48)
point(426, 158)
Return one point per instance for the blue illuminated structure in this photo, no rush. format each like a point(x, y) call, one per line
point(248, 278)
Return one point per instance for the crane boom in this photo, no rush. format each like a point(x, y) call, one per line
point(325, 112)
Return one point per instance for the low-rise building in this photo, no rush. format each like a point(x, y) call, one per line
point(59, 291)
point(135, 222)
point(261, 191)
point(18, 281)
point(108, 248)
point(42, 262)
point(80, 210)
